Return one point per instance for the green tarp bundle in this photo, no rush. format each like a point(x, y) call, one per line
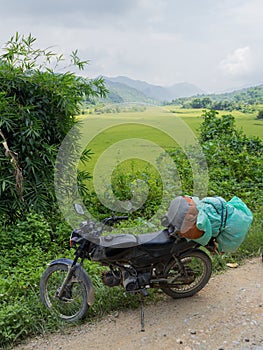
point(228, 222)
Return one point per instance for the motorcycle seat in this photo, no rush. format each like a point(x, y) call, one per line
point(129, 240)
point(160, 237)
point(119, 241)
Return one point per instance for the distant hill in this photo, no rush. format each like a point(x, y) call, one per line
point(125, 90)
point(122, 93)
point(250, 95)
point(246, 100)
point(184, 90)
point(153, 92)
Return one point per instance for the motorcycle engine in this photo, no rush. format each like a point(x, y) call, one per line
point(133, 283)
point(111, 278)
point(130, 282)
point(130, 279)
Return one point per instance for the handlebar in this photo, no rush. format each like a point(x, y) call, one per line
point(93, 230)
point(114, 218)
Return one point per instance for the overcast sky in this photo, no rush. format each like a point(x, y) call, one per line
point(216, 45)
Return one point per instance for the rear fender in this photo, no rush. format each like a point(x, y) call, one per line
point(187, 252)
point(183, 246)
point(81, 274)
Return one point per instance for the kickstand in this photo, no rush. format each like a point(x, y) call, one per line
point(143, 295)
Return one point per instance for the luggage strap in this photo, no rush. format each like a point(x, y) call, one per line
point(224, 213)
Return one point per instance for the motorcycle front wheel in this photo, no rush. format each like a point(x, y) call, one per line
point(187, 275)
point(72, 305)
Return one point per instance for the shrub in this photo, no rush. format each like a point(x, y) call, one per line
point(234, 160)
point(260, 114)
point(122, 183)
point(37, 108)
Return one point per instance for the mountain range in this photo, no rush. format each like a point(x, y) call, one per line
point(124, 89)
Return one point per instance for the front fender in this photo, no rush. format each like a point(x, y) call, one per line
point(81, 273)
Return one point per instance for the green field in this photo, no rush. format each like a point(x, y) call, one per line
point(246, 121)
point(165, 126)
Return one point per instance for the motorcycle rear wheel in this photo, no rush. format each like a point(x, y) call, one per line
point(197, 268)
point(72, 305)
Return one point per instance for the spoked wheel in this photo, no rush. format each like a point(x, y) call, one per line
point(72, 304)
point(188, 275)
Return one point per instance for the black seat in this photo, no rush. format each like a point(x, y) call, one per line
point(160, 237)
point(119, 241)
point(129, 240)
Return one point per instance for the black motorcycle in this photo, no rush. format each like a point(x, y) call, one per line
point(161, 260)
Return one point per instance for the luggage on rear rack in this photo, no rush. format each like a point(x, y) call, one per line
point(210, 217)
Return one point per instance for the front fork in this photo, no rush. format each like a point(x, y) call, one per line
point(71, 270)
point(66, 281)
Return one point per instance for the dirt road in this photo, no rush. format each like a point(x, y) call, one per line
point(226, 314)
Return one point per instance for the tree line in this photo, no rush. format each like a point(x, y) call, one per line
point(246, 100)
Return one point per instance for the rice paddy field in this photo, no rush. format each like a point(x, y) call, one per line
point(167, 126)
point(246, 121)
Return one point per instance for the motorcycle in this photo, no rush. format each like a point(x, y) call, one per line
point(161, 260)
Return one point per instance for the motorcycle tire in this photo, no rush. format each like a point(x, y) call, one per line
point(72, 305)
point(198, 270)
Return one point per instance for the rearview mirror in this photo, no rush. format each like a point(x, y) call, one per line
point(126, 205)
point(79, 209)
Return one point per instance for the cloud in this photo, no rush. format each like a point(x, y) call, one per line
point(54, 9)
point(238, 63)
point(249, 13)
point(214, 45)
